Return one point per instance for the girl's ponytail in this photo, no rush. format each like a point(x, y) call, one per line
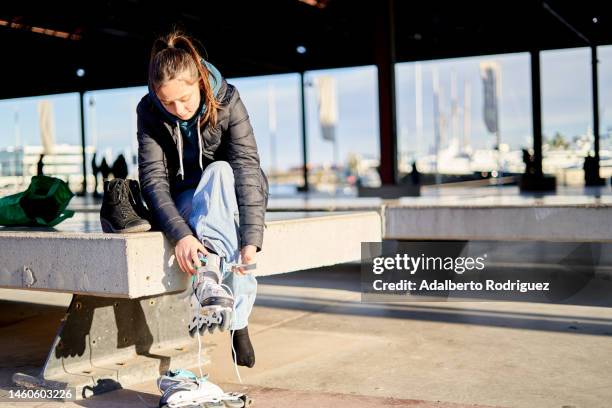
point(171, 55)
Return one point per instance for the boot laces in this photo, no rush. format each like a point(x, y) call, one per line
point(123, 198)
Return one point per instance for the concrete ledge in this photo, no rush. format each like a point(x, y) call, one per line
point(307, 243)
point(511, 223)
point(142, 264)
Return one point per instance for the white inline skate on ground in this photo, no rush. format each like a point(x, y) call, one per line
point(182, 388)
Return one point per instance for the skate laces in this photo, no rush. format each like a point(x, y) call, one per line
point(232, 339)
point(231, 268)
point(196, 286)
point(234, 356)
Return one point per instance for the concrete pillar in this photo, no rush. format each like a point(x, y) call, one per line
point(594, 75)
point(384, 48)
point(306, 186)
point(536, 109)
point(83, 143)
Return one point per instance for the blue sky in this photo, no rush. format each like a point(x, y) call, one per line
point(566, 103)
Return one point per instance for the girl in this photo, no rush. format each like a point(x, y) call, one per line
point(200, 174)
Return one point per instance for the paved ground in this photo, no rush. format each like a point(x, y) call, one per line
point(318, 345)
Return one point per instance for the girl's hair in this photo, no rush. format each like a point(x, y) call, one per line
point(173, 54)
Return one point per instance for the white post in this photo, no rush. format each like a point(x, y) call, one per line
point(467, 112)
point(418, 83)
point(272, 129)
point(437, 127)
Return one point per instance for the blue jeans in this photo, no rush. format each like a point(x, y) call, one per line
point(211, 210)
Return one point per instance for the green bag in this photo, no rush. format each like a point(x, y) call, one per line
point(42, 204)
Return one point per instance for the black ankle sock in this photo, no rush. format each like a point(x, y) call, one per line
point(244, 349)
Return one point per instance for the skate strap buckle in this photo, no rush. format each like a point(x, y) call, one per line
point(248, 267)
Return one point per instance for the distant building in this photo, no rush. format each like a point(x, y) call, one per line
point(19, 164)
point(11, 162)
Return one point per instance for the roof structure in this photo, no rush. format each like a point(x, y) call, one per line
point(44, 43)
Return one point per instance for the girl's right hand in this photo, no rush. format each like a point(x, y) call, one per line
point(186, 252)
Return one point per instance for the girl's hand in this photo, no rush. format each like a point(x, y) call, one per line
point(247, 254)
point(186, 252)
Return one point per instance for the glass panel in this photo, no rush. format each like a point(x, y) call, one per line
point(604, 54)
point(31, 127)
point(111, 133)
point(273, 103)
point(442, 125)
point(567, 118)
point(347, 152)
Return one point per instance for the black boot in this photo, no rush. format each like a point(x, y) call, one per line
point(138, 202)
point(117, 213)
point(245, 355)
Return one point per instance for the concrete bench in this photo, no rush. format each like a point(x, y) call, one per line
point(127, 321)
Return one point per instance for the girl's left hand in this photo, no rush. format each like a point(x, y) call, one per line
point(247, 254)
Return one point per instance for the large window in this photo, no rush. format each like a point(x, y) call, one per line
point(111, 133)
point(605, 109)
point(273, 103)
point(567, 118)
point(452, 114)
point(36, 126)
point(342, 128)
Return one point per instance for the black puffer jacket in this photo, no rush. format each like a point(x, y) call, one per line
point(232, 140)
